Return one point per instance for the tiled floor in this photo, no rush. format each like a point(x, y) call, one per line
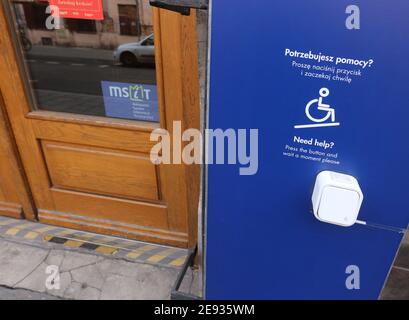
point(87, 266)
point(397, 286)
point(42, 235)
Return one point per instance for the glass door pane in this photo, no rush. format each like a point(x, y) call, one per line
point(96, 59)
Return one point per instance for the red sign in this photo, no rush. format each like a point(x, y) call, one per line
point(78, 9)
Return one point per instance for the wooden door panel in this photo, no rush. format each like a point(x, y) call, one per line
point(94, 173)
point(107, 215)
point(10, 209)
point(137, 140)
point(2, 196)
point(108, 208)
point(111, 226)
point(95, 170)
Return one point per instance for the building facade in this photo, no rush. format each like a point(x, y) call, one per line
point(124, 21)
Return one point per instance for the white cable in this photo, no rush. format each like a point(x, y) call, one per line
point(381, 227)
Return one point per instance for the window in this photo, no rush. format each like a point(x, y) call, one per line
point(149, 42)
point(128, 20)
point(100, 73)
point(35, 16)
point(81, 26)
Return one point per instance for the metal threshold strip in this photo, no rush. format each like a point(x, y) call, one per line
point(176, 294)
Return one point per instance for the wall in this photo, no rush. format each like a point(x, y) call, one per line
point(108, 30)
point(203, 44)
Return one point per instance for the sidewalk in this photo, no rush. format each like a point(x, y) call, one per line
point(397, 285)
point(71, 53)
point(84, 266)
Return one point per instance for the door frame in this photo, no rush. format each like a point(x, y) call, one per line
point(15, 198)
point(178, 93)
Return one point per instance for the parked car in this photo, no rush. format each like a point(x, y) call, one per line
point(131, 54)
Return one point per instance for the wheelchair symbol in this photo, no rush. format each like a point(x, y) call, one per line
point(328, 118)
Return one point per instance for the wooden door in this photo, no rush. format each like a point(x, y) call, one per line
point(87, 170)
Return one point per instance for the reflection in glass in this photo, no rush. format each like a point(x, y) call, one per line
point(90, 67)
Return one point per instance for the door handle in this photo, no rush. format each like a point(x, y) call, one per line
point(181, 6)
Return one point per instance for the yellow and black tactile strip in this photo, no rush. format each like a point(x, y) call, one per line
point(76, 240)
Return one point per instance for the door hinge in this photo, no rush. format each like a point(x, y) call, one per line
point(181, 6)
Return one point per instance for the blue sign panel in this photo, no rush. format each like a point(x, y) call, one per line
point(131, 101)
point(325, 83)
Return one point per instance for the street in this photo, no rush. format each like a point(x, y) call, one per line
point(73, 83)
point(83, 75)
